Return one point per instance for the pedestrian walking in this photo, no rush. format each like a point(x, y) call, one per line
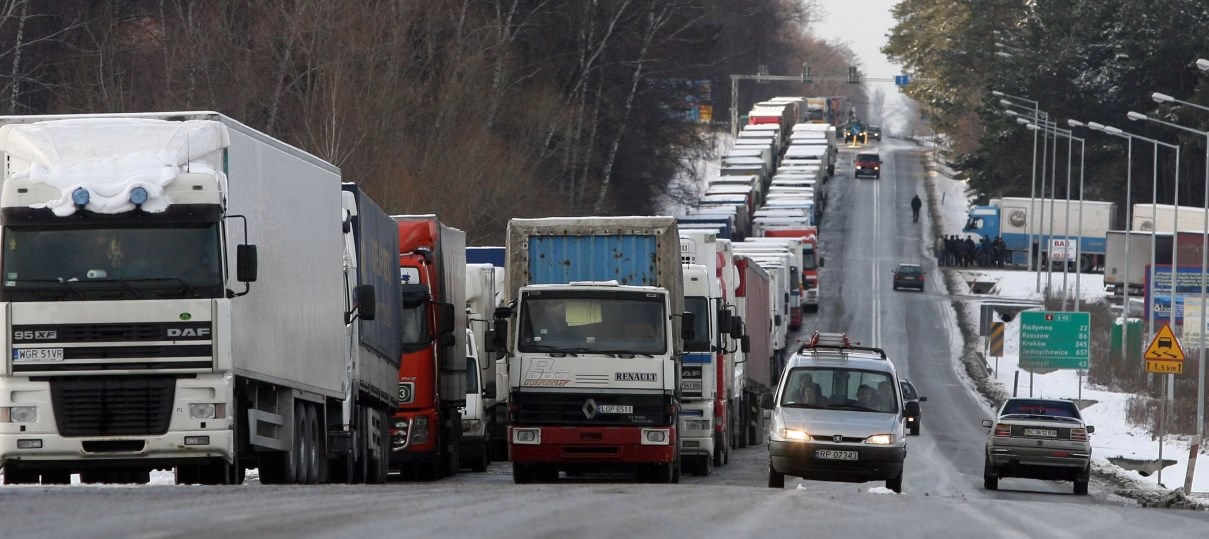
point(916, 204)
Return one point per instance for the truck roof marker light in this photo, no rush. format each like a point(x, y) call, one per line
point(80, 196)
point(138, 196)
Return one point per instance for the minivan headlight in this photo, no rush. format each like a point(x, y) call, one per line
point(794, 435)
point(880, 439)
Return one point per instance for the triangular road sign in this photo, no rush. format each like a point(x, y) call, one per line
point(1165, 346)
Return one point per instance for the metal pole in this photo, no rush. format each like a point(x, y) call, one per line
point(1195, 448)
point(734, 106)
point(1128, 228)
point(1053, 199)
point(1154, 220)
point(1066, 226)
point(1041, 214)
point(1079, 240)
point(1032, 209)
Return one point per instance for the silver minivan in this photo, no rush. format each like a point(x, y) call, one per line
point(838, 415)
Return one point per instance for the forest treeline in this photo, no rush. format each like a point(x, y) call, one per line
point(476, 110)
point(1088, 61)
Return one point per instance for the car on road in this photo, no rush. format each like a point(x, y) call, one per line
point(838, 415)
point(911, 395)
point(875, 132)
point(867, 164)
point(1038, 439)
point(909, 276)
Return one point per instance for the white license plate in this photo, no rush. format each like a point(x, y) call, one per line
point(690, 385)
point(832, 454)
point(37, 355)
point(615, 409)
point(1042, 433)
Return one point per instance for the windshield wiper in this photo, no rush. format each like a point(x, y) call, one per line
point(622, 353)
point(802, 405)
point(550, 349)
point(184, 284)
point(125, 285)
point(66, 286)
point(850, 407)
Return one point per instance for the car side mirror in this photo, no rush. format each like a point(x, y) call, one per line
point(766, 401)
point(988, 423)
point(1091, 429)
point(923, 399)
point(745, 344)
point(912, 409)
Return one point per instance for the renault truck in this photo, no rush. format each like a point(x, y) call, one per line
point(594, 341)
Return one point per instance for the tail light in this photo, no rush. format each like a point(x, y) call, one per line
point(1078, 435)
point(1003, 431)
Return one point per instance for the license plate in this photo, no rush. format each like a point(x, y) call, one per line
point(690, 385)
point(1041, 433)
point(37, 355)
point(832, 454)
point(615, 409)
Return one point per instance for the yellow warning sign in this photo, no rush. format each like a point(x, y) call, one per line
point(1164, 346)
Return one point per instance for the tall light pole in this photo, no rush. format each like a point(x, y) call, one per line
point(1200, 386)
point(1128, 226)
point(1037, 114)
point(1052, 128)
point(1155, 200)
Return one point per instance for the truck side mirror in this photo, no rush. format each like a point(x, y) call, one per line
point(820, 261)
point(687, 321)
point(489, 342)
point(724, 321)
point(445, 318)
point(736, 327)
point(745, 344)
point(245, 263)
point(367, 301)
point(446, 339)
point(489, 389)
point(776, 320)
point(499, 335)
point(766, 401)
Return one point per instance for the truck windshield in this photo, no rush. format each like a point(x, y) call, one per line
point(808, 262)
point(699, 306)
point(586, 322)
point(151, 262)
point(416, 334)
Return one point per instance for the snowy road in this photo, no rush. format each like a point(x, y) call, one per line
point(866, 232)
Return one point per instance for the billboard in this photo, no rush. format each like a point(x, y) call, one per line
point(689, 100)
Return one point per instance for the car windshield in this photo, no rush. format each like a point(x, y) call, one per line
point(1037, 407)
point(867, 157)
point(839, 388)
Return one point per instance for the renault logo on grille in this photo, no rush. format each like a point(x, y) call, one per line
point(837, 439)
point(589, 408)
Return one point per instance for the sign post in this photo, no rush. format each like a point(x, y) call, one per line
point(1164, 356)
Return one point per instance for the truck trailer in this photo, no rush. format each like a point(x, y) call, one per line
point(1015, 218)
point(426, 432)
point(154, 263)
point(594, 346)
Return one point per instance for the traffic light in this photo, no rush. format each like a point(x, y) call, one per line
point(854, 77)
point(806, 78)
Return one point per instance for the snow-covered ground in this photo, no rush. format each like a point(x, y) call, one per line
point(1114, 436)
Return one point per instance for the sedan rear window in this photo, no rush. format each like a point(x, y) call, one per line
point(1041, 407)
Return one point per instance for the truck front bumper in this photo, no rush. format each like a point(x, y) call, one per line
point(592, 444)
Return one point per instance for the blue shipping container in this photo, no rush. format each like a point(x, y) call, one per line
point(627, 259)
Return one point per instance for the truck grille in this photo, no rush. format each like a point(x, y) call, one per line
point(532, 408)
point(112, 406)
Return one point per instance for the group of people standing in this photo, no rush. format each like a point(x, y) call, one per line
point(965, 252)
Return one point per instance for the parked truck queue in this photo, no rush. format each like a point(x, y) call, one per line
point(155, 265)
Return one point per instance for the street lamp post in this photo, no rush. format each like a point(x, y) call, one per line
point(1052, 128)
point(1155, 195)
point(1200, 390)
point(1128, 228)
point(1037, 114)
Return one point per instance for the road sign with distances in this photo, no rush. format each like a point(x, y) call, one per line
point(1055, 340)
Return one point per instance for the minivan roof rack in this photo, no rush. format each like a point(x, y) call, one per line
point(838, 342)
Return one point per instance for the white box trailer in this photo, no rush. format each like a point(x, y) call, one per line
point(212, 321)
point(1191, 219)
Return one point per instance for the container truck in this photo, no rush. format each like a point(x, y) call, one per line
point(1014, 219)
point(426, 432)
point(147, 331)
point(811, 262)
point(484, 419)
point(754, 368)
point(1116, 264)
point(594, 346)
point(493, 255)
point(1191, 219)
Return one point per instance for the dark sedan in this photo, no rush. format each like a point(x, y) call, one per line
point(909, 276)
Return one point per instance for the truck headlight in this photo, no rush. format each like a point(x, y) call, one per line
point(471, 425)
point(419, 431)
point(19, 414)
point(527, 436)
point(696, 424)
point(201, 411)
point(655, 437)
point(880, 439)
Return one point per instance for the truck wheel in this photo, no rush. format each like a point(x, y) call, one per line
point(56, 477)
point(312, 456)
point(1086, 264)
point(100, 476)
point(378, 468)
point(718, 459)
point(302, 446)
point(480, 462)
point(521, 473)
point(15, 475)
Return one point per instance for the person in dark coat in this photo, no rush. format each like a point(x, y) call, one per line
point(969, 251)
point(916, 204)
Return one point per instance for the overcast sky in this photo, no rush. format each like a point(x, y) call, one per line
point(863, 25)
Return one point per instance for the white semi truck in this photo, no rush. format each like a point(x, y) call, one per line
point(182, 291)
